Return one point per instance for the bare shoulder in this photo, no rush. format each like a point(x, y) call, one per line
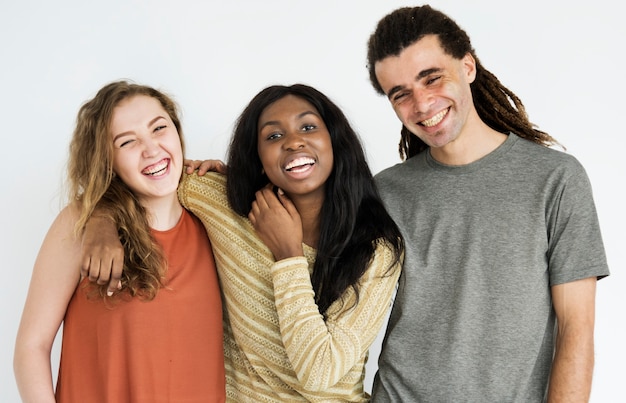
point(61, 246)
point(65, 223)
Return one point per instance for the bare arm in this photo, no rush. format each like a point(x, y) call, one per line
point(572, 368)
point(54, 279)
point(102, 253)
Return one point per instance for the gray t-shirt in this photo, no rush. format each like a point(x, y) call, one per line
point(473, 319)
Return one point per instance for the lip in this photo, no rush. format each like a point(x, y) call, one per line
point(304, 167)
point(158, 169)
point(294, 157)
point(435, 120)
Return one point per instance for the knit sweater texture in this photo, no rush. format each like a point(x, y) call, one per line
point(277, 345)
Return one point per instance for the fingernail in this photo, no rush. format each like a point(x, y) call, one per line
point(109, 293)
point(280, 191)
point(119, 285)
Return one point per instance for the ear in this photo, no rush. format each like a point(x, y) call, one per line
point(469, 67)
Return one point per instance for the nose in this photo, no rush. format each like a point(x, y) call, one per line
point(150, 147)
point(422, 100)
point(294, 141)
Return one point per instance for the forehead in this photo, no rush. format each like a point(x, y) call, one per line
point(135, 110)
point(285, 107)
point(426, 53)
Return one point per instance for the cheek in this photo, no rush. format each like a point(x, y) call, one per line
point(332, 162)
point(268, 156)
point(117, 164)
point(266, 166)
point(403, 111)
point(121, 170)
point(177, 150)
point(271, 171)
point(326, 146)
point(124, 163)
point(464, 98)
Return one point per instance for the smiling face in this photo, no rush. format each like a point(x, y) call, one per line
point(294, 147)
point(147, 151)
point(429, 90)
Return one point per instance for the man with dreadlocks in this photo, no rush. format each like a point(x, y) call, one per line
point(503, 247)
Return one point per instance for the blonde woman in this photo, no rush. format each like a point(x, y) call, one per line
point(158, 337)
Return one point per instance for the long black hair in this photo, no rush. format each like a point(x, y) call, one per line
point(353, 218)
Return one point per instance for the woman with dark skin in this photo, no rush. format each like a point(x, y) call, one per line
point(308, 257)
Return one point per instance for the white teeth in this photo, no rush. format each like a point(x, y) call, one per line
point(156, 169)
point(299, 162)
point(435, 119)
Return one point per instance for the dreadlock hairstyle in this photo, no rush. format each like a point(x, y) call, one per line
point(496, 105)
point(353, 218)
point(92, 183)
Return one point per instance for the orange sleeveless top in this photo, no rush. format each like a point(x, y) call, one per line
point(166, 350)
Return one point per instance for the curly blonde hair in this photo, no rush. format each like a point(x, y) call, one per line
point(92, 183)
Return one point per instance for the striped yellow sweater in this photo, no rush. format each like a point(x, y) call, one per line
point(278, 347)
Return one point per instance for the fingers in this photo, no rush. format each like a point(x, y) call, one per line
point(221, 167)
point(264, 197)
point(204, 166)
point(104, 272)
point(93, 269)
point(261, 204)
point(271, 203)
point(190, 165)
point(211, 165)
point(102, 258)
point(85, 267)
point(115, 284)
point(111, 272)
point(287, 203)
point(254, 211)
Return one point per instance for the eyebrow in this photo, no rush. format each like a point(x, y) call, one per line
point(299, 116)
point(150, 123)
point(419, 76)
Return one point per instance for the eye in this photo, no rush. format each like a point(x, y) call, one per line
point(125, 143)
point(274, 136)
point(399, 97)
point(309, 127)
point(432, 80)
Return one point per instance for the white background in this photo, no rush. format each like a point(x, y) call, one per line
point(563, 59)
